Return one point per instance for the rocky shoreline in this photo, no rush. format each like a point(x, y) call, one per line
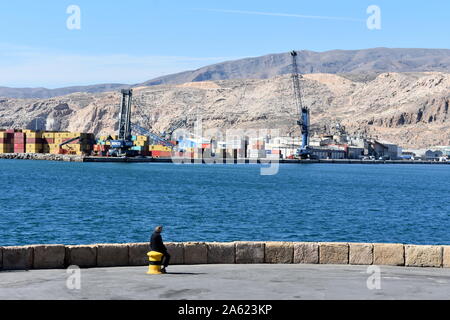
point(42, 156)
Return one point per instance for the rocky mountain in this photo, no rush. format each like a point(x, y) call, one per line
point(369, 62)
point(48, 93)
point(410, 109)
point(361, 65)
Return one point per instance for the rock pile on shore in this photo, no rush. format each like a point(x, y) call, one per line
point(41, 156)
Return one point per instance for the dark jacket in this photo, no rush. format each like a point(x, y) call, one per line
point(156, 243)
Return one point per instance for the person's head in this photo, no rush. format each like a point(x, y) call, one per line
point(159, 229)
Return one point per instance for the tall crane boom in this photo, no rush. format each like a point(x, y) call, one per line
point(121, 146)
point(296, 82)
point(152, 135)
point(125, 115)
point(304, 112)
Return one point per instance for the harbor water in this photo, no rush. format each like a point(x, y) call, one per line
point(82, 203)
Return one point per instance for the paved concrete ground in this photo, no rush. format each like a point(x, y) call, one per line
point(230, 282)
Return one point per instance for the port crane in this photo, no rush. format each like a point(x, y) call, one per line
point(304, 152)
point(122, 146)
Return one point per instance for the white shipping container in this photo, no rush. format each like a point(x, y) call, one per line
point(257, 153)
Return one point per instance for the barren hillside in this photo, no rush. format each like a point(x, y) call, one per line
point(354, 64)
point(410, 109)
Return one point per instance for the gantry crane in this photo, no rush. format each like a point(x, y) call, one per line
point(121, 146)
point(304, 152)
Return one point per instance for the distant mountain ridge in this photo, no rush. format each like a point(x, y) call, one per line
point(44, 93)
point(356, 64)
point(368, 61)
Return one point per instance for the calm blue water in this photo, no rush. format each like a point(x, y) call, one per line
point(82, 203)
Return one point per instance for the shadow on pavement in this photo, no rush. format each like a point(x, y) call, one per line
point(185, 273)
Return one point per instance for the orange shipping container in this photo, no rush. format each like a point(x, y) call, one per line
point(161, 154)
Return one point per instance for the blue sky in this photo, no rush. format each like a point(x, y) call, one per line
point(136, 40)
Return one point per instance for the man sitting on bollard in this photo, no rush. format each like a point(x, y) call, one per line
point(156, 244)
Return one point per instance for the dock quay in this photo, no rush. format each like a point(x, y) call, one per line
point(233, 270)
point(229, 282)
point(80, 158)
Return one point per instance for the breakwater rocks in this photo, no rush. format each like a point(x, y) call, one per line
point(74, 158)
point(42, 156)
point(190, 253)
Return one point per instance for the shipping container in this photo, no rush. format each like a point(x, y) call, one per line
point(157, 147)
point(19, 148)
point(140, 143)
point(161, 154)
point(33, 141)
point(48, 135)
point(142, 138)
point(48, 140)
point(138, 148)
point(100, 148)
point(62, 135)
point(33, 135)
point(18, 141)
point(6, 148)
point(257, 154)
point(33, 148)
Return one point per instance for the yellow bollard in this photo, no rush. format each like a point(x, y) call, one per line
point(155, 262)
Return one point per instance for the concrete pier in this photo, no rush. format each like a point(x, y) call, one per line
point(230, 282)
point(228, 271)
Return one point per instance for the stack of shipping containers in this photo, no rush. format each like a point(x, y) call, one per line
point(6, 142)
point(19, 142)
point(83, 145)
point(140, 144)
point(28, 141)
point(33, 141)
point(48, 143)
point(273, 149)
point(103, 145)
point(159, 151)
point(257, 148)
